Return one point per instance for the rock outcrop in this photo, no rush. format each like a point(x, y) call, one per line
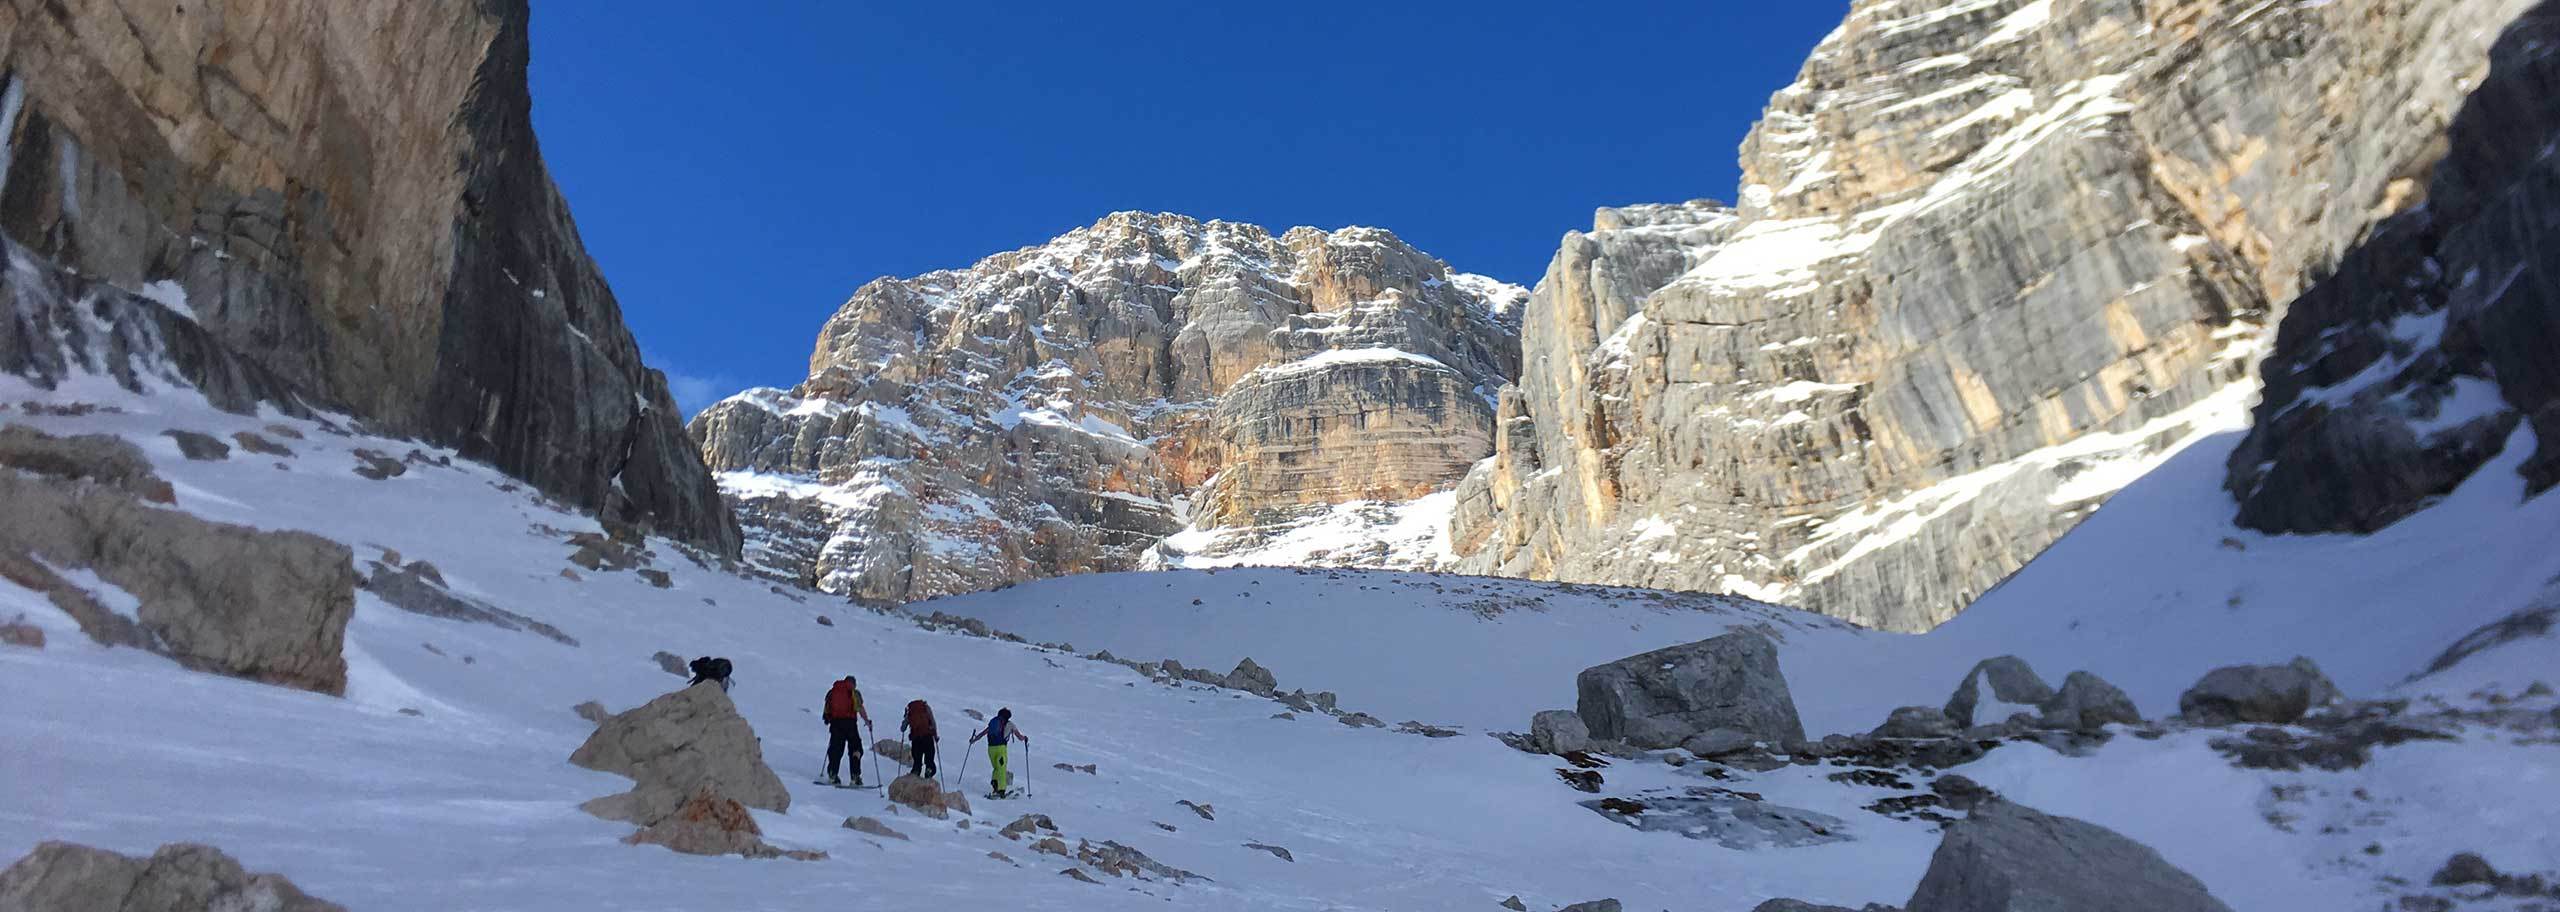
point(2258, 693)
point(335, 205)
point(1991, 258)
point(1066, 408)
point(2004, 857)
point(268, 606)
point(2420, 357)
point(1665, 697)
point(672, 747)
point(180, 877)
point(927, 797)
point(1996, 689)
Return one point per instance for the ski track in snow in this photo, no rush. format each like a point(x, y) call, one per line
point(473, 804)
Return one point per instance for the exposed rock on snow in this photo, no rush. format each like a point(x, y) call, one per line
point(927, 798)
point(2009, 685)
point(415, 589)
point(1793, 905)
point(1596, 905)
point(672, 664)
point(17, 632)
point(99, 458)
point(1276, 851)
point(2005, 857)
point(1558, 731)
point(1916, 722)
point(2087, 703)
point(200, 447)
point(708, 823)
point(269, 606)
point(592, 711)
point(180, 877)
point(1988, 255)
point(673, 746)
point(1661, 698)
point(2258, 693)
point(418, 269)
point(1066, 407)
point(253, 442)
point(1252, 678)
point(873, 827)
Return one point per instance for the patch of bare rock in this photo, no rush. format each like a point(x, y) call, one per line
point(180, 877)
point(267, 606)
point(696, 766)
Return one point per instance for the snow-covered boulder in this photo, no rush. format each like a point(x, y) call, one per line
point(2257, 693)
point(268, 606)
point(2088, 703)
point(180, 877)
point(673, 746)
point(1558, 731)
point(2006, 857)
point(2003, 685)
point(1661, 698)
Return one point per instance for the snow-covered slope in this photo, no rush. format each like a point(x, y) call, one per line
point(470, 803)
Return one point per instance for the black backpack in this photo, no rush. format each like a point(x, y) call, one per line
point(708, 668)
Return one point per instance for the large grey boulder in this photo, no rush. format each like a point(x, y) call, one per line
point(2005, 685)
point(2257, 693)
point(2087, 703)
point(1916, 722)
point(268, 606)
point(2008, 858)
point(674, 745)
point(1558, 731)
point(1798, 905)
point(180, 877)
point(1661, 698)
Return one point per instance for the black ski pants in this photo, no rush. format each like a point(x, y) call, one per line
point(842, 733)
point(921, 761)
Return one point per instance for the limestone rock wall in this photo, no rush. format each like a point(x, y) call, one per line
point(2403, 373)
point(1990, 257)
point(349, 198)
point(1065, 408)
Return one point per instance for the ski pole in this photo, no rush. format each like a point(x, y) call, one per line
point(1026, 767)
point(875, 759)
point(965, 751)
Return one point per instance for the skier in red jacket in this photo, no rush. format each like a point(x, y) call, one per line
point(922, 740)
point(844, 716)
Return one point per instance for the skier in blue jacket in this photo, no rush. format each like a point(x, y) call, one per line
point(998, 732)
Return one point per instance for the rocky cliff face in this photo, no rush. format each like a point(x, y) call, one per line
point(345, 203)
point(1991, 256)
point(2401, 374)
point(1067, 407)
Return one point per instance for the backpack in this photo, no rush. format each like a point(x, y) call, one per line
point(708, 668)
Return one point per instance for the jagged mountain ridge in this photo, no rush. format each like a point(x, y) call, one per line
point(1991, 258)
point(345, 206)
point(1064, 408)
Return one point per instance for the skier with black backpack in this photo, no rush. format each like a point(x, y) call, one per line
point(845, 717)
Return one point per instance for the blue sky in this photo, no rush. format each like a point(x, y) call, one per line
point(739, 173)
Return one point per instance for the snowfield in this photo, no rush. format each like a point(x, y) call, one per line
point(470, 803)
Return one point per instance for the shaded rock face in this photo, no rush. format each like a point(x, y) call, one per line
point(2258, 693)
point(335, 204)
point(2415, 363)
point(268, 606)
point(180, 877)
point(673, 746)
point(1990, 257)
point(1065, 408)
point(1659, 699)
point(1558, 731)
point(2005, 857)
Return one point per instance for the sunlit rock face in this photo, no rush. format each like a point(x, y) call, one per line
point(1991, 258)
point(1065, 408)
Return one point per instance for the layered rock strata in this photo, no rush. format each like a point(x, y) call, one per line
point(1992, 257)
point(1065, 408)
